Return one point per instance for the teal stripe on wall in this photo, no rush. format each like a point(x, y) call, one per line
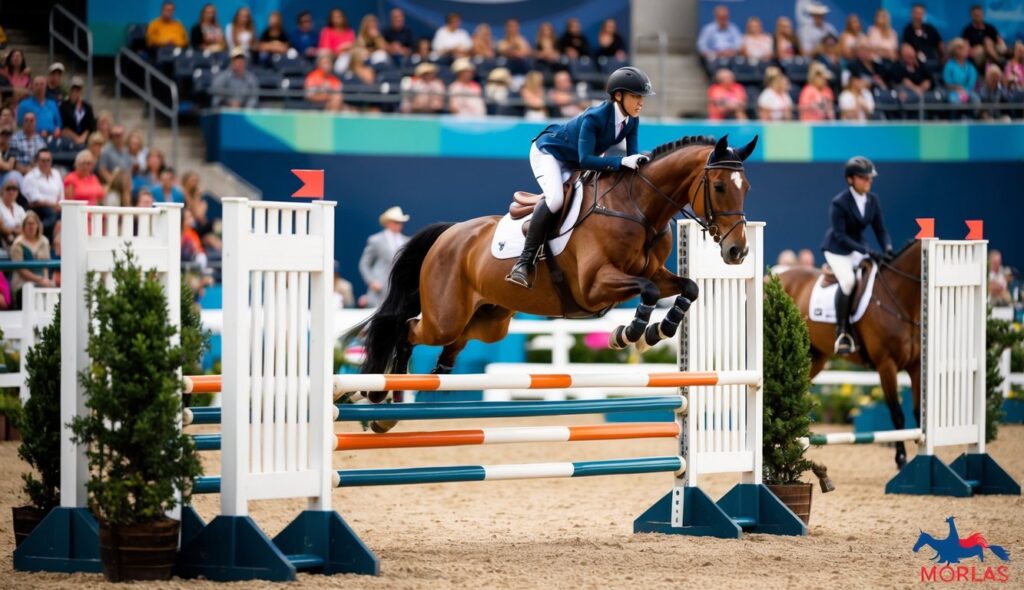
point(316, 133)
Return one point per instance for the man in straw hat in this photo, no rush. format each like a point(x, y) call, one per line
point(379, 253)
point(424, 91)
point(813, 27)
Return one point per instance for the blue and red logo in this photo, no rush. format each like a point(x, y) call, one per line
point(952, 549)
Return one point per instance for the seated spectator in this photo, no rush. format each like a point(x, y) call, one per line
point(44, 189)
point(563, 98)
point(143, 198)
point(168, 191)
point(775, 103)
point(76, 114)
point(306, 40)
point(241, 31)
point(497, 90)
point(97, 141)
point(323, 88)
point(137, 150)
point(984, 39)
point(999, 279)
point(787, 46)
point(198, 207)
point(828, 56)
point(882, 37)
point(149, 176)
point(465, 95)
point(959, 74)
point(26, 143)
point(360, 67)
point(923, 37)
point(866, 66)
point(400, 39)
point(371, 40)
point(1013, 74)
point(805, 258)
point(423, 92)
point(337, 37)
point(235, 87)
point(853, 34)
point(785, 260)
point(532, 93)
point(816, 98)
point(274, 40)
point(7, 120)
point(856, 102)
point(424, 50)
point(18, 75)
point(47, 114)
point(991, 92)
point(165, 29)
point(546, 46)
point(757, 45)
point(114, 155)
point(82, 184)
point(104, 123)
point(610, 43)
point(726, 98)
point(572, 43)
point(910, 77)
point(31, 244)
point(118, 192)
point(813, 31)
point(191, 245)
point(513, 45)
point(483, 42)
point(451, 39)
point(720, 38)
point(8, 163)
point(11, 213)
point(207, 35)
point(55, 89)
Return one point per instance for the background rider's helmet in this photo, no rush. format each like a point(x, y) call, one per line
point(860, 166)
point(630, 79)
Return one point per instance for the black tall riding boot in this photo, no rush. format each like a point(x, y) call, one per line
point(541, 224)
point(844, 342)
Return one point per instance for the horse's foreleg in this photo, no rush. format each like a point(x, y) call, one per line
point(890, 387)
point(686, 293)
point(610, 283)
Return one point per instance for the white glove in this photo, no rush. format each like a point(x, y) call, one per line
point(634, 161)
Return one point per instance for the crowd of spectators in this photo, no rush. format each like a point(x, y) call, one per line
point(370, 67)
point(818, 73)
point(54, 147)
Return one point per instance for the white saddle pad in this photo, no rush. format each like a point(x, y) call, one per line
point(509, 240)
point(823, 299)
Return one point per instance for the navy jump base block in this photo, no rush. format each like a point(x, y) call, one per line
point(66, 541)
point(969, 474)
point(746, 507)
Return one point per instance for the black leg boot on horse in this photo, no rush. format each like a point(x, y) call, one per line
point(541, 224)
point(844, 341)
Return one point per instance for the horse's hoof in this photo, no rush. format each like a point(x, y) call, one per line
point(617, 340)
point(382, 426)
point(376, 397)
point(642, 346)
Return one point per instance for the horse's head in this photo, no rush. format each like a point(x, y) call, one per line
point(720, 197)
point(922, 540)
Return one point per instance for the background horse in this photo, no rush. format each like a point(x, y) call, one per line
point(888, 334)
point(617, 251)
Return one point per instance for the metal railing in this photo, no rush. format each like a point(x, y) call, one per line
point(79, 31)
point(661, 38)
point(145, 92)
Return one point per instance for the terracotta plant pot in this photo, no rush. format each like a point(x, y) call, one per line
point(797, 497)
point(25, 520)
point(143, 551)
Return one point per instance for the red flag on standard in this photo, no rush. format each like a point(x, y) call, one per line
point(312, 184)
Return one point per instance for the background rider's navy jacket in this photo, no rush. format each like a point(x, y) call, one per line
point(847, 232)
point(578, 142)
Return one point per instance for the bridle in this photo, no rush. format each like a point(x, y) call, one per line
point(708, 223)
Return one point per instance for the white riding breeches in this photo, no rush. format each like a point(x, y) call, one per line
point(843, 266)
point(551, 174)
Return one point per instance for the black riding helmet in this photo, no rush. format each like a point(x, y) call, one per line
point(860, 166)
point(630, 79)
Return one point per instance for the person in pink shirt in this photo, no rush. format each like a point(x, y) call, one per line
point(817, 102)
point(338, 36)
point(726, 98)
point(1014, 72)
point(82, 184)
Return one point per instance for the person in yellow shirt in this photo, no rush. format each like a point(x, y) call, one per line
point(165, 29)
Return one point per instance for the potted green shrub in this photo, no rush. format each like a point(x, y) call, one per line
point(40, 443)
point(787, 400)
point(138, 457)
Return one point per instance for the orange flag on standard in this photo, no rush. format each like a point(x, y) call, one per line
point(312, 184)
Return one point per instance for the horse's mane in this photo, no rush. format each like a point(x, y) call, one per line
point(686, 141)
point(905, 247)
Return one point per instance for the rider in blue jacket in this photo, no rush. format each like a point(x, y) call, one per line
point(579, 144)
point(851, 213)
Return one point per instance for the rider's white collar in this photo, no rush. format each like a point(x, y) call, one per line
point(619, 118)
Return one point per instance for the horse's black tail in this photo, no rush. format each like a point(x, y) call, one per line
point(386, 332)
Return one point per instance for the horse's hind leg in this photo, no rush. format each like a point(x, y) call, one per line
point(488, 324)
point(890, 386)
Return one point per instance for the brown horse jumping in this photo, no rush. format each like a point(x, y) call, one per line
point(890, 337)
point(447, 276)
